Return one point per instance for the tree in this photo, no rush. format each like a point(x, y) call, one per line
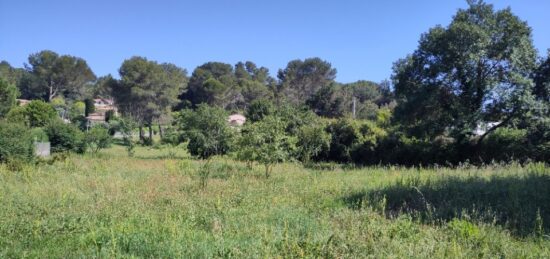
point(213, 83)
point(300, 80)
point(207, 131)
point(330, 101)
point(266, 142)
point(55, 75)
point(14, 76)
point(8, 97)
point(89, 106)
point(147, 90)
point(474, 70)
point(542, 80)
point(254, 83)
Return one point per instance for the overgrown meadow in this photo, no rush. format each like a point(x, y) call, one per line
point(160, 203)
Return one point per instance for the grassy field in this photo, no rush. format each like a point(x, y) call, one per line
point(110, 205)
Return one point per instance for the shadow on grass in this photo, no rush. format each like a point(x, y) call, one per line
point(518, 203)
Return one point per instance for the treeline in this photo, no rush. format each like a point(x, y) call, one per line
point(474, 90)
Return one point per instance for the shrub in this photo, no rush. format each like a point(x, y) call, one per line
point(312, 141)
point(39, 135)
point(15, 143)
point(505, 144)
point(80, 122)
point(40, 113)
point(77, 109)
point(65, 137)
point(18, 115)
point(346, 137)
point(207, 130)
point(97, 138)
point(266, 142)
point(295, 117)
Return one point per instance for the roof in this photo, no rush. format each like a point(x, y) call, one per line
point(236, 119)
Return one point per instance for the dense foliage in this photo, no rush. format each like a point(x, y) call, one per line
point(16, 143)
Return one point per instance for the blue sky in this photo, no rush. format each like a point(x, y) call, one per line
point(360, 38)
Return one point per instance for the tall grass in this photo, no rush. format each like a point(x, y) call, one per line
point(149, 205)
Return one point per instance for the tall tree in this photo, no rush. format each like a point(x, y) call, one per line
point(147, 90)
point(55, 75)
point(213, 83)
point(300, 80)
point(254, 83)
point(542, 80)
point(474, 70)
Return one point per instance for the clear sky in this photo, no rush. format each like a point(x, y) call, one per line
point(361, 38)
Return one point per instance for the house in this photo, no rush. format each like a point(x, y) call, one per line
point(236, 120)
point(102, 106)
point(23, 102)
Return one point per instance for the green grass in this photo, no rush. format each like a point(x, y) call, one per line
point(111, 205)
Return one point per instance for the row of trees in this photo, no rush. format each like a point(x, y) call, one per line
point(473, 90)
point(149, 91)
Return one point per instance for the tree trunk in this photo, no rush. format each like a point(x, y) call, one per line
point(140, 133)
point(160, 131)
point(150, 132)
point(267, 170)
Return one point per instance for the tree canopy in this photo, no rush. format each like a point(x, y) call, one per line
point(474, 70)
point(58, 75)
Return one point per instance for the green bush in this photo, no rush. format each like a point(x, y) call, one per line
point(207, 130)
point(18, 115)
point(313, 140)
point(505, 144)
point(40, 113)
point(39, 135)
point(97, 138)
point(266, 142)
point(65, 137)
point(16, 143)
point(347, 136)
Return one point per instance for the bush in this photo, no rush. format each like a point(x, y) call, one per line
point(207, 130)
point(39, 135)
point(65, 137)
point(505, 144)
point(266, 142)
point(346, 137)
point(16, 143)
point(97, 138)
point(18, 115)
point(80, 122)
point(313, 140)
point(40, 113)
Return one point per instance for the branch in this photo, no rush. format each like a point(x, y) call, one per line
point(504, 122)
